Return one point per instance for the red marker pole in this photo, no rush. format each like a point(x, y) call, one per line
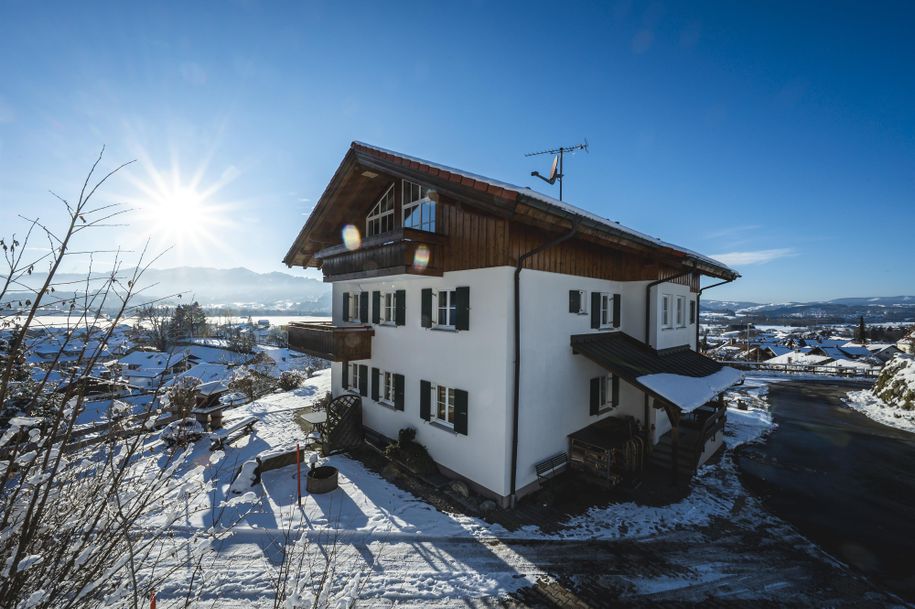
point(298, 472)
point(152, 600)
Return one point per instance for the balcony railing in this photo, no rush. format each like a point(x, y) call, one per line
point(402, 251)
point(334, 343)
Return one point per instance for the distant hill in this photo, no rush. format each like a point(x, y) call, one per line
point(239, 289)
point(838, 310)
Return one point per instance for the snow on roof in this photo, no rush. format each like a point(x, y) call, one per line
point(213, 355)
point(690, 392)
point(206, 373)
point(555, 203)
point(152, 360)
point(799, 358)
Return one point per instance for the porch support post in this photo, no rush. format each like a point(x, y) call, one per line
point(673, 413)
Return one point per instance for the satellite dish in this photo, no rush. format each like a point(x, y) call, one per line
point(554, 167)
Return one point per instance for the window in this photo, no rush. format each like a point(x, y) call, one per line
point(606, 312)
point(577, 302)
point(354, 313)
point(387, 387)
point(381, 218)
point(418, 208)
point(605, 393)
point(353, 377)
point(665, 311)
point(681, 312)
point(444, 405)
point(446, 315)
point(692, 312)
point(388, 308)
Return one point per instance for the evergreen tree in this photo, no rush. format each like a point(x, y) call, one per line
point(862, 331)
point(189, 320)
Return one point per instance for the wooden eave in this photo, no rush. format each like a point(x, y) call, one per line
point(349, 184)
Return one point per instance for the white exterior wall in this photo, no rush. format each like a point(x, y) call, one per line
point(664, 338)
point(555, 384)
point(477, 360)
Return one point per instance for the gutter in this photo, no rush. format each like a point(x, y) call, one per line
point(516, 396)
point(698, 296)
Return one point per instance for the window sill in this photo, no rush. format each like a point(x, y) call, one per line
point(443, 427)
point(388, 324)
point(388, 405)
point(444, 328)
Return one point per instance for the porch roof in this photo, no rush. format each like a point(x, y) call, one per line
point(679, 376)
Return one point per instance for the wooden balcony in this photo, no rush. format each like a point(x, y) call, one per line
point(334, 343)
point(401, 251)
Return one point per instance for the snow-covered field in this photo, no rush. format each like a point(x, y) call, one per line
point(402, 549)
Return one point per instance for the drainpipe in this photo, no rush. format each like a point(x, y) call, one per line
point(698, 296)
point(516, 396)
point(648, 301)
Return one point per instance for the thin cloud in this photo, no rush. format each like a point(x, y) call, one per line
point(754, 256)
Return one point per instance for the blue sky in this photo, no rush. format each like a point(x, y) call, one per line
point(779, 134)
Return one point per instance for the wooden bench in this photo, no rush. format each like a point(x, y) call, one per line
point(229, 434)
point(548, 468)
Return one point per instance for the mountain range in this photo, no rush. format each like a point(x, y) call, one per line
point(837, 310)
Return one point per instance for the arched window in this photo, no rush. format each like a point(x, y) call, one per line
point(418, 208)
point(381, 218)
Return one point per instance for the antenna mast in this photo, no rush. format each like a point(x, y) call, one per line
point(556, 172)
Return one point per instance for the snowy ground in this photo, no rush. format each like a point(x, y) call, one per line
point(870, 405)
point(408, 553)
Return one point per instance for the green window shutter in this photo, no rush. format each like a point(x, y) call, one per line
point(400, 307)
point(364, 308)
point(574, 301)
point(376, 381)
point(462, 305)
point(398, 391)
point(617, 303)
point(595, 310)
point(427, 308)
point(376, 307)
point(363, 380)
point(595, 396)
point(425, 400)
point(345, 375)
point(615, 391)
point(460, 411)
point(345, 306)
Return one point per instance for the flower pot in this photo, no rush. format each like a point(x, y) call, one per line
point(321, 479)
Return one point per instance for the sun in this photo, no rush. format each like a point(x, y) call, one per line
point(179, 215)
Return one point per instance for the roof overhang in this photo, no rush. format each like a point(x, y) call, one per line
point(678, 376)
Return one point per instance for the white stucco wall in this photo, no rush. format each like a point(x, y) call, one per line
point(664, 338)
point(555, 384)
point(477, 360)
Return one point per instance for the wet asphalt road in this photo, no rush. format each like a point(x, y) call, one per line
point(845, 481)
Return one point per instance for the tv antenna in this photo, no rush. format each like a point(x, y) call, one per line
point(556, 168)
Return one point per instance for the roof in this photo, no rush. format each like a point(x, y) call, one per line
point(510, 193)
point(152, 360)
point(799, 358)
point(680, 376)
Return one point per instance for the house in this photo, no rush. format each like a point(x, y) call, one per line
point(150, 369)
point(506, 326)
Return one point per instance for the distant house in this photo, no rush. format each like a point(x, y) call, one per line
point(149, 369)
point(510, 329)
point(800, 359)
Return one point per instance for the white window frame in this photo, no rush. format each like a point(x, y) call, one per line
point(448, 404)
point(449, 307)
point(386, 391)
point(388, 313)
point(666, 318)
point(605, 401)
point(379, 216)
point(681, 311)
point(353, 377)
point(606, 310)
point(423, 202)
point(355, 315)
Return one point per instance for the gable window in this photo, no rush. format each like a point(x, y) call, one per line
point(418, 208)
point(665, 311)
point(681, 312)
point(381, 218)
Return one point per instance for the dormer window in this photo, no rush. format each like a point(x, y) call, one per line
point(418, 208)
point(381, 218)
